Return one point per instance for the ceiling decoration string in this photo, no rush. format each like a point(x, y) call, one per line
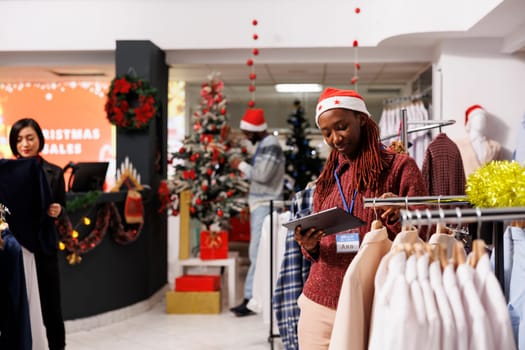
point(251, 63)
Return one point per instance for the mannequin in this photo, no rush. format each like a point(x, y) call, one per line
point(476, 149)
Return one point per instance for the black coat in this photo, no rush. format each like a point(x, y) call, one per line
point(25, 192)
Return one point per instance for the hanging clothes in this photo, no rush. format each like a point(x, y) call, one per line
point(442, 169)
point(260, 301)
point(354, 308)
point(293, 273)
point(390, 124)
point(15, 326)
point(514, 275)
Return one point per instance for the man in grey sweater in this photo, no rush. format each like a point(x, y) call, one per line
point(266, 176)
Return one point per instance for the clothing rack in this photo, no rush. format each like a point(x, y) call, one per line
point(433, 124)
point(280, 204)
point(458, 215)
point(421, 200)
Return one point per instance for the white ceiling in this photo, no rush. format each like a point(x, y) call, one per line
point(391, 65)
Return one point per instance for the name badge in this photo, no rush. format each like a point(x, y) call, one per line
point(347, 242)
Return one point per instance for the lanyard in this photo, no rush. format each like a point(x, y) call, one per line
point(341, 193)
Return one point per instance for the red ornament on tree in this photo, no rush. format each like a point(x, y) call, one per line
point(220, 213)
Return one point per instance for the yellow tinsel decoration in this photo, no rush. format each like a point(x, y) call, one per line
point(497, 184)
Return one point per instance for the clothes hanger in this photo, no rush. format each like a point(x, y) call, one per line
point(376, 224)
point(458, 255)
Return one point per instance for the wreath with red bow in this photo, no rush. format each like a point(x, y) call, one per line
point(131, 102)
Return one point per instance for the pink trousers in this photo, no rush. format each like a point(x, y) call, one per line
point(315, 325)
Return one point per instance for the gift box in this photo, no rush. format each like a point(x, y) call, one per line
point(193, 302)
point(240, 229)
point(213, 245)
point(198, 283)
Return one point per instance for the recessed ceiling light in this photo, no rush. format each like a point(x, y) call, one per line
point(298, 87)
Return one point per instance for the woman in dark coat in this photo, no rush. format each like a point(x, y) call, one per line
point(27, 141)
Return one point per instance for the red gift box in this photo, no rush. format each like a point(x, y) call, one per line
point(214, 245)
point(198, 283)
point(240, 229)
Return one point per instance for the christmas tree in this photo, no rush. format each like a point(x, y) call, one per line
point(303, 163)
point(201, 164)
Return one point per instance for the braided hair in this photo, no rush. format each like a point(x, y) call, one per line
point(368, 165)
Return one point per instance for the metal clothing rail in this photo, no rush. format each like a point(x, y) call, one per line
point(470, 215)
point(280, 204)
point(422, 200)
point(433, 124)
point(459, 215)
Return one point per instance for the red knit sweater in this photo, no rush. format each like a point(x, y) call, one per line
point(402, 177)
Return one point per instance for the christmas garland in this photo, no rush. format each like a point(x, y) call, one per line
point(131, 103)
point(107, 217)
point(499, 183)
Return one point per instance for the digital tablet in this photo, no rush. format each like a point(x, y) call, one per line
point(333, 220)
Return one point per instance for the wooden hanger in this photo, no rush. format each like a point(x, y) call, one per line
point(458, 254)
point(478, 249)
point(376, 225)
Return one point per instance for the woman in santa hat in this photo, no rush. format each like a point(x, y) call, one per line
point(358, 167)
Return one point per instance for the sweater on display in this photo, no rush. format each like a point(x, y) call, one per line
point(401, 177)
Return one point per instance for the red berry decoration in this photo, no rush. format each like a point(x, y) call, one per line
point(254, 22)
point(357, 10)
point(251, 103)
point(220, 213)
point(223, 111)
point(182, 150)
point(354, 80)
point(209, 171)
point(253, 76)
point(255, 52)
point(204, 188)
point(198, 201)
point(255, 37)
point(251, 88)
point(249, 62)
point(355, 44)
point(193, 210)
point(357, 66)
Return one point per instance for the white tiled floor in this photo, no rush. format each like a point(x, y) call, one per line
point(156, 330)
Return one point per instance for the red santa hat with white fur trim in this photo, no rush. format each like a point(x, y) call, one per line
point(253, 120)
point(472, 111)
point(336, 98)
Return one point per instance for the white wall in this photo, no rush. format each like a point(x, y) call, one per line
point(473, 72)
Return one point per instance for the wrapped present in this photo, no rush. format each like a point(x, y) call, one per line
point(213, 245)
point(240, 229)
point(198, 283)
point(193, 302)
